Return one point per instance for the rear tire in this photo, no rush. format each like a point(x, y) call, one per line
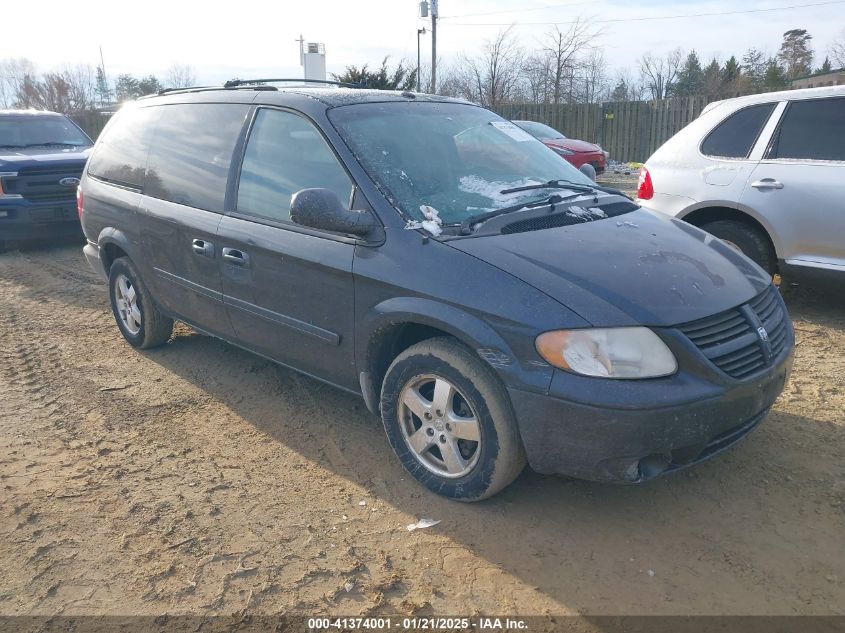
point(137, 315)
point(750, 241)
point(470, 447)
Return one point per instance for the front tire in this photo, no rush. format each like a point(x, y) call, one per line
point(137, 316)
point(449, 421)
point(750, 241)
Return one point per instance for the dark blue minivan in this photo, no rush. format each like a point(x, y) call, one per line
point(489, 302)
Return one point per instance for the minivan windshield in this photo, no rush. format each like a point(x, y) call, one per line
point(35, 131)
point(452, 157)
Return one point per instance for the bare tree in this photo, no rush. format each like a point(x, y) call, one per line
point(626, 87)
point(837, 50)
point(537, 77)
point(564, 47)
point(595, 84)
point(13, 73)
point(180, 76)
point(659, 73)
point(81, 80)
point(493, 77)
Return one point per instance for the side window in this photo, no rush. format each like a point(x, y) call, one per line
point(735, 136)
point(813, 129)
point(285, 154)
point(121, 154)
point(192, 151)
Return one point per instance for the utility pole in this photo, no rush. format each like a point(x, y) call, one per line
point(419, 32)
point(434, 46)
point(301, 40)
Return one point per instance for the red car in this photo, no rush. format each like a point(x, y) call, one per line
point(576, 152)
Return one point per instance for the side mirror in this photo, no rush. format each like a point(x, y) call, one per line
point(322, 209)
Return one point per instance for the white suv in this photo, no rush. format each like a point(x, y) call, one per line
point(765, 173)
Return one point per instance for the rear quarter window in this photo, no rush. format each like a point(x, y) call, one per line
point(121, 153)
point(812, 130)
point(735, 136)
point(192, 151)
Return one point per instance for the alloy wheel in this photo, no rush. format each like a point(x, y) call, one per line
point(439, 426)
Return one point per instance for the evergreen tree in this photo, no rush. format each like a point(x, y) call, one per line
point(795, 54)
point(825, 67)
point(690, 79)
point(774, 78)
point(102, 88)
point(754, 67)
point(401, 78)
point(712, 81)
point(149, 85)
point(731, 70)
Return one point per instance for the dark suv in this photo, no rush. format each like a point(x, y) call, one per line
point(489, 301)
point(42, 155)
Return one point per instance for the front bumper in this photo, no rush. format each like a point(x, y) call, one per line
point(29, 221)
point(628, 441)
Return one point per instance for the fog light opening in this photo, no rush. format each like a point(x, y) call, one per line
point(653, 465)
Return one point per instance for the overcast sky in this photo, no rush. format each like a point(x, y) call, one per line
point(251, 39)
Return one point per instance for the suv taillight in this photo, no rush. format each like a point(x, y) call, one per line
point(79, 202)
point(645, 190)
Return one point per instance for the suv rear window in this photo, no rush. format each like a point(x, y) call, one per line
point(813, 129)
point(121, 155)
point(735, 136)
point(191, 153)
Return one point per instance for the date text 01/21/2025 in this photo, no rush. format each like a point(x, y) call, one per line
point(416, 623)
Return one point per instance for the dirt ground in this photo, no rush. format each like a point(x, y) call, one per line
point(198, 478)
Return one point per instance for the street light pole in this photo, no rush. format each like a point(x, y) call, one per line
point(434, 12)
point(419, 32)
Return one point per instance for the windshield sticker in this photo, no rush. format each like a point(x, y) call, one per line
point(514, 131)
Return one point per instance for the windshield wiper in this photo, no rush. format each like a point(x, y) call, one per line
point(471, 221)
point(51, 144)
point(9, 146)
point(553, 184)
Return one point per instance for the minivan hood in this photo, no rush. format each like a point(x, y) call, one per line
point(12, 158)
point(640, 268)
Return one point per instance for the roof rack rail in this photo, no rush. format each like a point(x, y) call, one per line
point(234, 83)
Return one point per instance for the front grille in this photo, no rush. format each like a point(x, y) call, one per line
point(744, 340)
point(39, 184)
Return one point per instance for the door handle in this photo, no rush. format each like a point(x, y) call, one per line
point(767, 183)
point(201, 247)
point(236, 257)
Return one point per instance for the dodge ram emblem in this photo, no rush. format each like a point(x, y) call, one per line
point(761, 332)
point(69, 182)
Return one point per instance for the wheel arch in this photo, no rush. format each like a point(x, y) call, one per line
point(396, 324)
point(114, 243)
point(700, 215)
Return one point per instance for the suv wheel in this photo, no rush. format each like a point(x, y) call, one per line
point(137, 315)
point(748, 240)
point(449, 421)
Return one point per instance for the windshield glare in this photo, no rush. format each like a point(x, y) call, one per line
point(456, 158)
point(540, 130)
point(20, 131)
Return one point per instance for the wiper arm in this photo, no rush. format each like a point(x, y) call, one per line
point(50, 144)
point(471, 221)
point(10, 146)
point(553, 184)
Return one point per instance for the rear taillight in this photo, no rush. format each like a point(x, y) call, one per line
point(79, 202)
point(645, 190)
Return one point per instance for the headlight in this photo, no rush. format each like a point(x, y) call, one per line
point(563, 151)
point(623, 352)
